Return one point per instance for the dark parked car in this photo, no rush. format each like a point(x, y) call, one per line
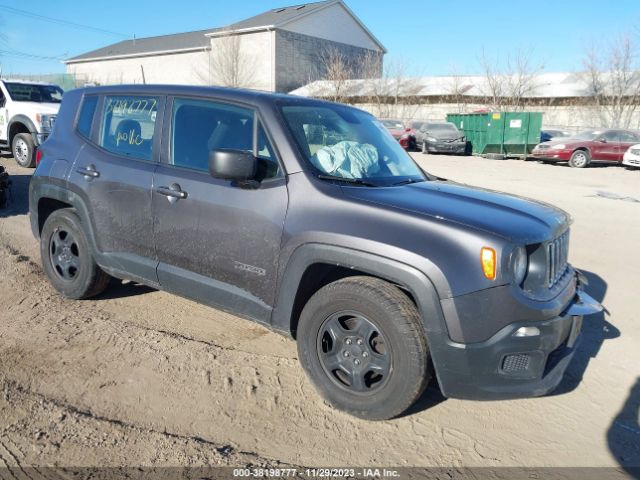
point(441, 137)
point(592, 146)
point(405, 136)
point(549, 134)
point(377, 269)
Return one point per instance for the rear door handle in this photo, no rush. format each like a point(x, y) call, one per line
point(173, 192)
point(89, 172)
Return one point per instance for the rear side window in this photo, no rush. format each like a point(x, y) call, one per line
point(128, 124)
point(200, 126)
point(85, 119)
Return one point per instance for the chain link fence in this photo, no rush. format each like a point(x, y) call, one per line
point(67, 81)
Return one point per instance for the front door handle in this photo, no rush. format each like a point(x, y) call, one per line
point(173, 192)
point(88, 172)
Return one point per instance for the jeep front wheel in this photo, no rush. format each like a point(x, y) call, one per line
point(23, 150)
point(361, 341)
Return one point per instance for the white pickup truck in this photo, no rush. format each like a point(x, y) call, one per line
point(27, 113)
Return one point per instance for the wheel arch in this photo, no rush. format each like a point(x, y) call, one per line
point(46, 198)
point(313, 265)
point(298, 284)
point(19, 124)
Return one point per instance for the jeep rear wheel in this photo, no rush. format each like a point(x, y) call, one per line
point(23, 150)
point(66, 259)
point(361, 342)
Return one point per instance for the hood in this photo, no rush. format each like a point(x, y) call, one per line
point(446, 135)
point(395, 132)
point(563, 140)
point(513, 218)
point(37, 107)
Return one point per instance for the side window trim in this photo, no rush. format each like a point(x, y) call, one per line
point(96, 110)
point(167, 131)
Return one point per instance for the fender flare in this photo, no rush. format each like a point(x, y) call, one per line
point(39, 189)
point(23, 119)
point(414, 281)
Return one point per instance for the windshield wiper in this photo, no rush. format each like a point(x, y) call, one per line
point(407, 181)
point(355, 181)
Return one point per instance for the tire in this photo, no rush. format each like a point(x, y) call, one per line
point(380, 329)
point(580, 159)
point(67, 259)
point(24, 150)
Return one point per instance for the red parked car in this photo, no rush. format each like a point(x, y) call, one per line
point(586, 147)
point(405, 135)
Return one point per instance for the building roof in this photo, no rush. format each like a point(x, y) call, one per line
point(277, 16)
point(545, 85)
point(198, 40)
point(144, 46)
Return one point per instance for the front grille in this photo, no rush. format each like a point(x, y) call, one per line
point(542, 147)
point(557, 257)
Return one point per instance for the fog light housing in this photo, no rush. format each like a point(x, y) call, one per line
point(527, 332)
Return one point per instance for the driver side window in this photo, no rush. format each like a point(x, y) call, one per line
point(612, 136)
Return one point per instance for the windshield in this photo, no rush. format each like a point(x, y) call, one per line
point(27, 92)
point(345, 143)
point(442, 128)
point(394, 124)
point(590, 135)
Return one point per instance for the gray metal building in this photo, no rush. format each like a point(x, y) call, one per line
point(278, 50)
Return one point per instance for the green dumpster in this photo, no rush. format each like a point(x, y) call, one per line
point(511, 134)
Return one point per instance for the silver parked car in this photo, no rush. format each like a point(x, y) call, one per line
point(441, 137)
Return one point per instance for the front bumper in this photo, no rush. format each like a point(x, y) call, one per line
point(552, 155)
point(39, 138)
point(510, 366)
point(631, 160)
point(446, 147)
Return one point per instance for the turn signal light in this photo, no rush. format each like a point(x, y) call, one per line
point(489, 262)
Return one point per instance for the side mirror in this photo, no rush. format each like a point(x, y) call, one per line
point(602, 140)
point(408, 129)
point(230, 164)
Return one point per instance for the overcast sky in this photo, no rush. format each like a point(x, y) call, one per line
point(434, 37)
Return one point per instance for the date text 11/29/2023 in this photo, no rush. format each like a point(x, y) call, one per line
point(315, 473)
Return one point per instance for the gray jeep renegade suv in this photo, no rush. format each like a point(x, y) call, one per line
point(308, 217)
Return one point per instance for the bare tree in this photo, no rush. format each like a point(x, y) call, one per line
point(493, 86)
point(508, 87)
point(337, 69)
point(457, 88)
point(389, 89)
point(230, 64)
point(521, 77)
point(612, 75)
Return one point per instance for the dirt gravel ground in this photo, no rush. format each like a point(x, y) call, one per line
point(139, 377)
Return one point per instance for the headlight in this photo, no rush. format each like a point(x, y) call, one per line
point(46, 122)
point(558, 147)
point(519, 264)
point(432, 139)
